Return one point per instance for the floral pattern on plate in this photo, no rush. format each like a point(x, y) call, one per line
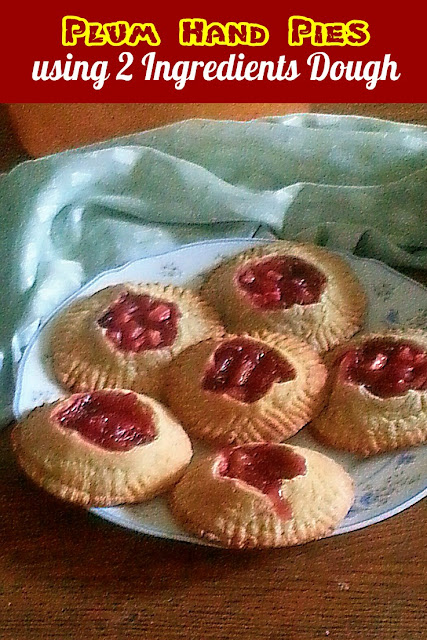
point(385, 485)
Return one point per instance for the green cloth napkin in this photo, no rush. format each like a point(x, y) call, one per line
point(346, 182)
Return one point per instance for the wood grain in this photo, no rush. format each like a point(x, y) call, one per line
point(79, 124)
point(402, 112)
point(65, 574)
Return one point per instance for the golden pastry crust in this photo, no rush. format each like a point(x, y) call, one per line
point(85, 360)
point(276, 416)
point(358, 421)
point(73, 468)
point(325, 324)
point(234, 514)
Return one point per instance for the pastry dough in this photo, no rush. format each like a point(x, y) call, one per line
point(372, 407)
point(225, 414)
point(300, 495)
point(285, 286)
point(92, 341)
point(102, 448)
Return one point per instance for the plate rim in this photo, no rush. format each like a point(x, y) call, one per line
point(111, 517)
point(251, 241)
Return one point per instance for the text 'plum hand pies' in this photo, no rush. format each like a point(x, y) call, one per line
point(262, 495)
point(288, 287)
point(378, 396)
point(125, 335)
point(238, 389)
point(102, 448)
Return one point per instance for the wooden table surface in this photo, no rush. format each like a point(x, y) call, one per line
point(66, 574)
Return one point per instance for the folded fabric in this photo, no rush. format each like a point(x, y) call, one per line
point(346, 182)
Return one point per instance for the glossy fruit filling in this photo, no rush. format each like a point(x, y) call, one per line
point(264, 466)
point(386, 367)
point(245, 369)
point(280, 282)
point(110, 419)
point(140, 323)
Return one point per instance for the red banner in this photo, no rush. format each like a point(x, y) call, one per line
point(298, 52)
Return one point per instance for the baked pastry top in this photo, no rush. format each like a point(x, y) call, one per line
point(246, 388)
point(262, 495)
point(288, 287)
point(124, 336)
point(378, 393)
point(102, 448)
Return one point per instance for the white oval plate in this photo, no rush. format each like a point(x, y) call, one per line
point(385, 485)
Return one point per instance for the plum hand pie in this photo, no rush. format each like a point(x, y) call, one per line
point(288, 287)
point(124, 336)
point(246, 388)
point(262, 495)
point(378, 396)
point(102, 448)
